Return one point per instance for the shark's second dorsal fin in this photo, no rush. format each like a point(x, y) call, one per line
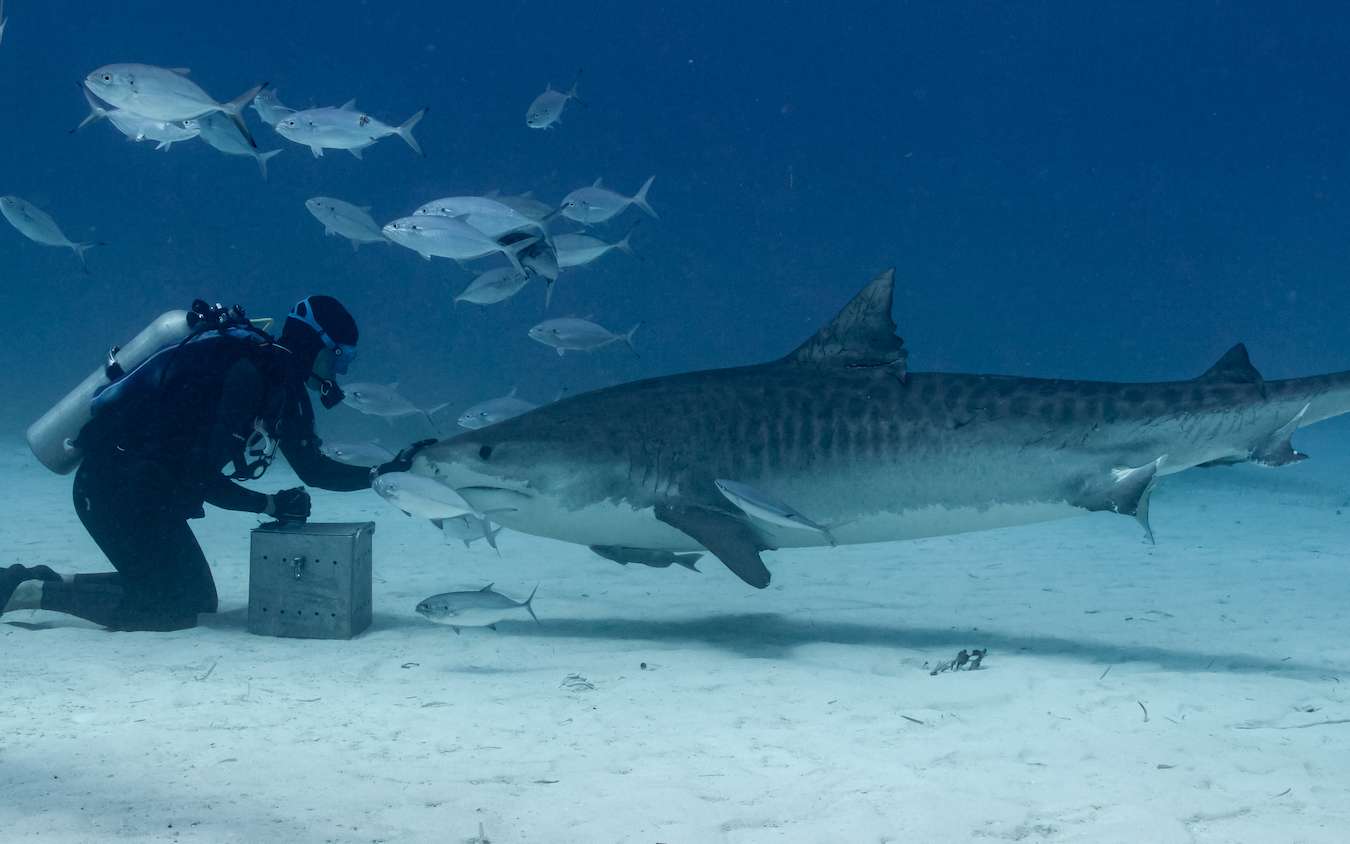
point(863, 334)
point(1235, 367)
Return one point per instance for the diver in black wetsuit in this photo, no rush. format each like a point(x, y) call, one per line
point(150, 464)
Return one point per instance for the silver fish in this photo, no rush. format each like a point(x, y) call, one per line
point(384, 400)
point(597, 203)
point(163, 94)
point(343, 219)
point(580, 335)
point(547, 109)
point(138, 127)
point(493, 411)
point(490, 216)
point(220, 133)
point(38, 226)
point(526, 204)
point(420, 496)
point(576, 250)
point(268, 106)
point(449, 237)
point(494, 286)
point(343, 128)
point(480, 608)
point(469, 529)
point(760, 505)
point(357, 454)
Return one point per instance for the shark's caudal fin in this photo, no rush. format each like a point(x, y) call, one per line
point(729, 538)
point(861, 335)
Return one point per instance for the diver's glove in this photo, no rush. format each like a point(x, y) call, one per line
point(289, 505)
point(402, 461)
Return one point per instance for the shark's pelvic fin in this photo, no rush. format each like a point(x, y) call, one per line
point(863, 334)
point(728, 537)
point(1235, 367)
point(1278, 450)
point(1126, 490)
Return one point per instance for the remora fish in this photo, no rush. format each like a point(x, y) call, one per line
point(38, 226)
point(221, 134)
point(597, 203)
point(343, 128)
point(575, 250)
point(342, 218)
point(493, 411)
point(420, 496)
point(758, 504)
point(646, 557)
point(480, 608)
point(580, 335)
point(546, 110)
point(268, 106)
point(840, 429)
point(163, 94)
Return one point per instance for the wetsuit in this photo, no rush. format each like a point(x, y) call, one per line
point(150, 466)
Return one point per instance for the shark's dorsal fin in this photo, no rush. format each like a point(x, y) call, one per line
point(487, 588)
point(350, 105)
point(181, 71)
point(1235, 367)
point(863, 334)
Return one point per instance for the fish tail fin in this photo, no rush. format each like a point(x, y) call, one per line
point(572, 92)
point(626, 245)
point(96, 111)
point(405, 131)
point(530, 601)
point(513, 251)
point(628, 339)
point(262, 159)
point(548, 291)
point(491, 536)
point(640, 200)
point(81, 248)
point(234, 110)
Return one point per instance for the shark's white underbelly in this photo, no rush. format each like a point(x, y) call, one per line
point(610, 523)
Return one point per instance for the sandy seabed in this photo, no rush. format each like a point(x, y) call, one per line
point(1191, 691)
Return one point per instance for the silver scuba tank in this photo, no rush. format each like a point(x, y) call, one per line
point(52, 436)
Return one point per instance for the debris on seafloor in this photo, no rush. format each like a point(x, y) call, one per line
point(965, 660)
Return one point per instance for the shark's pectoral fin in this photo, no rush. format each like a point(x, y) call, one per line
point(1278, 450)
point(1125, 490)
point(726, 536)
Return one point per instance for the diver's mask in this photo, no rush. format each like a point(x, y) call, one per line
point(333, 360)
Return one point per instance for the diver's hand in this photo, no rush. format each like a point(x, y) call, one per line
point(289, 505)
point(402, 461)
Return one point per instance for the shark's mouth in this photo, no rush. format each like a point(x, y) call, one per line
point(484, 499)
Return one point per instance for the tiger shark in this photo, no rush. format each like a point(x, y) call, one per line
point(840, 433)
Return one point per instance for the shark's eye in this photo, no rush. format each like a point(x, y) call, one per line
point(485, 452)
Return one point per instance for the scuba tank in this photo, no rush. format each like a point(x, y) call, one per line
point(52, 437)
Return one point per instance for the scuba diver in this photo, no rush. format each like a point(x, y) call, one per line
point(156, 447)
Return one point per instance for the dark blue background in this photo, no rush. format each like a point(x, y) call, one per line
point(1109, 190)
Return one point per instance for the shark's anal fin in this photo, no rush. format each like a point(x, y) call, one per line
point(862, 335)
point(1125, 490)
point(1278, 450)
point(726, 536)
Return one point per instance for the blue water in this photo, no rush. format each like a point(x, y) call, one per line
point(1113, 190)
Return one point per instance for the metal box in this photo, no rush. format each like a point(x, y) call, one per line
point(310, 580)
